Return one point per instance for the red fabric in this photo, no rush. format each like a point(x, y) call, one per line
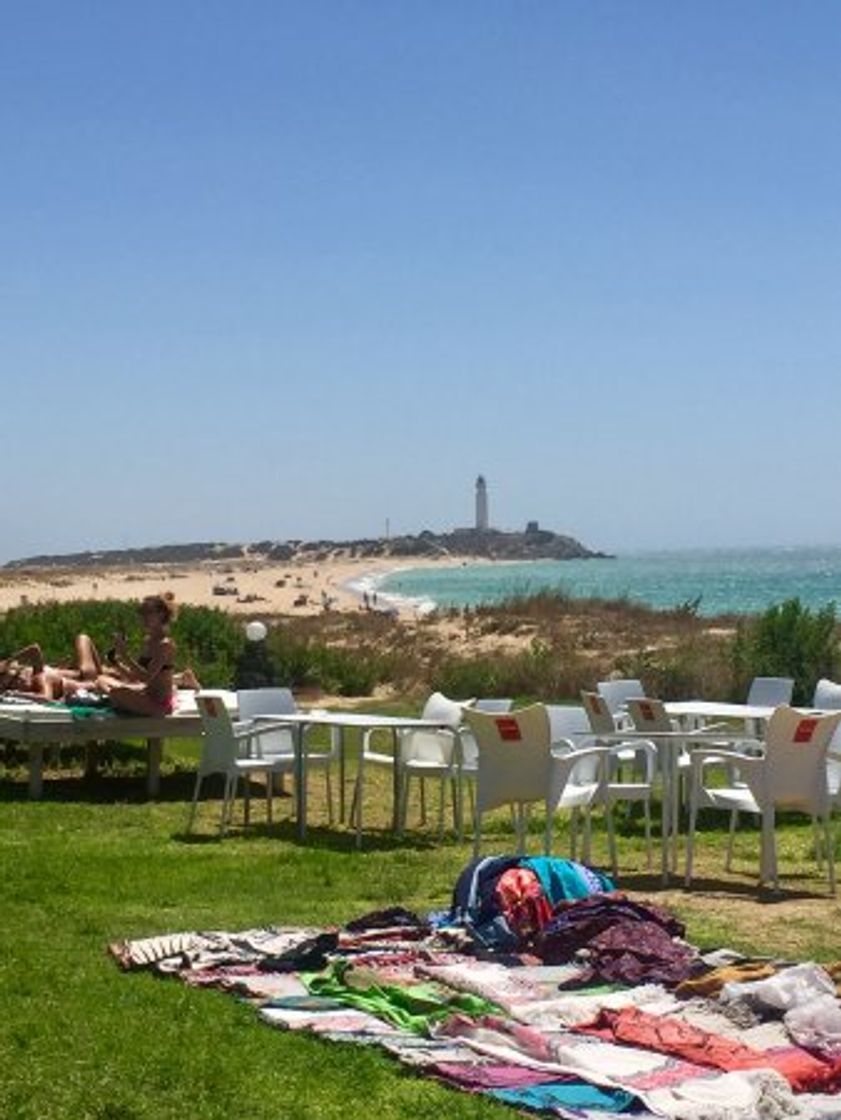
point(667, 1034)
point(522, 902)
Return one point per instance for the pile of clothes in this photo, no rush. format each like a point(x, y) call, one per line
point(544, 988)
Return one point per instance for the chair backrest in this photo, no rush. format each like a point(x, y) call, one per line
point(443, 710)
point(219, 746)
point(255, 702)
point(515, 759)
point(618, 693)
point(489, 704)
point(770, 692)
point(569, 726)
point(649, 715)
point(833, 766)
point(265, 702)
point(795, 771)
point(598, 713)
point(827, 695)
point(568, 721)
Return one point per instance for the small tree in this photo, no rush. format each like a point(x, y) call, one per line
point(787, 640)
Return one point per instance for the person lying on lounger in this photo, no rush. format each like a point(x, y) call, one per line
point(27, 673)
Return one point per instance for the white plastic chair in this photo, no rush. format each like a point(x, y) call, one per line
point(517, 766)
point(227, 749)
point(643, 752)
point(827, 695)
point(649, 716)
point(617, 693)
point(767, 692)
point(417, 753)
point(493, 704)
point(770, 692)
point(791, 774)
point(469, 751)
point(278, 743)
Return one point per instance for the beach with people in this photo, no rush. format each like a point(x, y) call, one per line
point(300, 586)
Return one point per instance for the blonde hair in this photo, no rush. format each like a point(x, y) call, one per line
point(163, 605)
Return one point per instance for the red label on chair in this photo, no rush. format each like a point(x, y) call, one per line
point(594, 704)
point(210, 707)
point(508, 729)
point(805, 730)
point(647, 712)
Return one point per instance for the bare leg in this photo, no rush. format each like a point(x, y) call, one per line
point(30, 655)
point(187, 679)
point(124, 698)
point(87, 658)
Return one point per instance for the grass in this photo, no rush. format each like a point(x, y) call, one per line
point(94, 862)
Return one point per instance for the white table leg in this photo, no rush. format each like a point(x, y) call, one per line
point(300, 779)
point(396, 791)
point(664, 755)
point(340, 732)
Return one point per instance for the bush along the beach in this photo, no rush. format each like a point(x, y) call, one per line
point(787, 640)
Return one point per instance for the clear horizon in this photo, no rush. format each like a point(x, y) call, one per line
point(290, 270)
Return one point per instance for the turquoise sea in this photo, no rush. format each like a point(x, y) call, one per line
point(725, 581)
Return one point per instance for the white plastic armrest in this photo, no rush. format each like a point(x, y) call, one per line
point(567, 762)
point(368, 735)
point(644, 745)
point(710, 757)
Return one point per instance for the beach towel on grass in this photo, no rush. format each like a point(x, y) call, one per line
point(502, 1026)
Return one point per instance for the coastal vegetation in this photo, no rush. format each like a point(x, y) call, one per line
point(543, 646)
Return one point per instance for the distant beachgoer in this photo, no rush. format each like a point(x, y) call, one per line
point(366, 602)
point(143, 686)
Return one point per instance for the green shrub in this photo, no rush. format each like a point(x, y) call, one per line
point(788, 640)
point(304, 662)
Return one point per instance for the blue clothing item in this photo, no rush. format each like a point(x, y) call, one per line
point(567, 1094)
point(475, 906)
point(473, 894)
point(564, 880)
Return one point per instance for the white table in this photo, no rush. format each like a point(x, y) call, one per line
point(36, 726)
point(714, 709)
point(299, 723)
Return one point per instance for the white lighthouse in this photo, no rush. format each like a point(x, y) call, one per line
point(481, 504)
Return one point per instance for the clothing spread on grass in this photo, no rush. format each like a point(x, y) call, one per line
point(544, 989)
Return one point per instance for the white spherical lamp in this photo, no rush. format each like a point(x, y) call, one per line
point(255, 631)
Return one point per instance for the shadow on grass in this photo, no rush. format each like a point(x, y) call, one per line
point(119, 777)
point(709, 887)
point(334, 838)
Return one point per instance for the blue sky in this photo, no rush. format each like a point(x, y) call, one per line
point(277, 270)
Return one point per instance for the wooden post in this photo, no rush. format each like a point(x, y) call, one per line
point(36, 771)
point(153, 756)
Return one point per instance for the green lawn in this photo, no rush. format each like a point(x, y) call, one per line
point(94, 862)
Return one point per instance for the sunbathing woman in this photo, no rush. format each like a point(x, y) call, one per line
point(27, 673)
point(145, 686)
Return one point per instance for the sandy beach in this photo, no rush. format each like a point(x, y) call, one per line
point(243, 587)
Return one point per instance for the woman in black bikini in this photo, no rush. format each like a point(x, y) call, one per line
point(145, 686)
